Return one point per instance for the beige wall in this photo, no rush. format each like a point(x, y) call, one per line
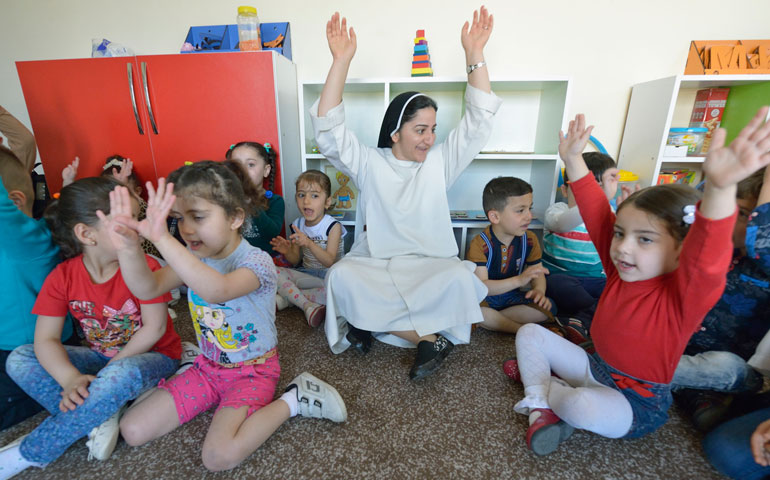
point(604, 46)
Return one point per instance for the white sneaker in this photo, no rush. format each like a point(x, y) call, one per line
point(102, 439)
point(280, 302)
point(175, 296)
point(189, 352)
point(318, 399)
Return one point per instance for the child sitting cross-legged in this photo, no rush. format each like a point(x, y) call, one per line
point(666, 257)
point(507, 258)
point(315, 244)
point(231, 293)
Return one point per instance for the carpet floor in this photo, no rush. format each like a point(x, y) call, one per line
point(457, 423)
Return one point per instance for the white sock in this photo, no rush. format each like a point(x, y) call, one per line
point(290, 398)
point(534, 415)
point(11, 462)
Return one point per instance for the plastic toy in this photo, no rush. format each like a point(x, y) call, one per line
point(421, 66)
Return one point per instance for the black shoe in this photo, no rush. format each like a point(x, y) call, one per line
point(430, 356)
point(706, 408)
point(361, 340)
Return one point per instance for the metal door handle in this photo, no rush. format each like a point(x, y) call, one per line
point(147, 98)
point(133, 97)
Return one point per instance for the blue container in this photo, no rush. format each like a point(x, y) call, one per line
point(224, 38)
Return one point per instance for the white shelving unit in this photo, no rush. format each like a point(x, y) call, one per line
point(659, 105)
point(524, 140)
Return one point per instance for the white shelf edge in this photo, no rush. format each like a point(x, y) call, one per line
point(682, 159)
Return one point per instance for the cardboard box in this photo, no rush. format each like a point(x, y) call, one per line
point(707, 112)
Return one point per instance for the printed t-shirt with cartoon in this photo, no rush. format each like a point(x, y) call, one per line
point(108, 312)
point(319, 234)
point(242, 328)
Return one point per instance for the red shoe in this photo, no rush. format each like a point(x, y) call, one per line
point(547, 432)
point(316, 315)
point(511, 368)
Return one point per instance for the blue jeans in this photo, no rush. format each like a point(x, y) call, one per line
point(728, 449)
point(114, 385)
point(719, 371)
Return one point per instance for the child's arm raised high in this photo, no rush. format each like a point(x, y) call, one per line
point(183, 266)
point(726, 166)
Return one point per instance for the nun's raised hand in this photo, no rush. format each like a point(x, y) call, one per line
point(342, 42)
point(476, 34)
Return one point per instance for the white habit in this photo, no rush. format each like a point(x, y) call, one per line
point(403, 272)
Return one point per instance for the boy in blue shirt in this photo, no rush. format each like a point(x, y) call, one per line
point(27, 256)
point(507, 258)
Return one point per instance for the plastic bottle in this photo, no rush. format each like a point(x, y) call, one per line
point(249, 38)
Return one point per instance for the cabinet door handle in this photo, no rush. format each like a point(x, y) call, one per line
point(133, 97)
point(147, 98)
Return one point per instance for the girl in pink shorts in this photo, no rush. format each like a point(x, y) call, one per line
point(231, 292)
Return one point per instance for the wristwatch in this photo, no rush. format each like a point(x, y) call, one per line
point(471, 68)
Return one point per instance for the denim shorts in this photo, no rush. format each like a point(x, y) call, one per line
point(649, 401)
point(512, 298)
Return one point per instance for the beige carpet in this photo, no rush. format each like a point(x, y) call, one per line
point(458, 423)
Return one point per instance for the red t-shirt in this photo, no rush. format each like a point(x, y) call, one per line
point(641, 328)
point(108, 312)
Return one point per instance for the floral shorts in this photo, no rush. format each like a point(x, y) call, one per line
point(208, 383)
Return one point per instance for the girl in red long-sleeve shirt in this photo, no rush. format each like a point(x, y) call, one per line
point(666, 257)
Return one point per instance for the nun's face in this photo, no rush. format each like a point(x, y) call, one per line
point(415, 137)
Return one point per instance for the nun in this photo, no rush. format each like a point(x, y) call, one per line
point(402, 281)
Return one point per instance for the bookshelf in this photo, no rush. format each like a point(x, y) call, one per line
point(523, 143)
point(658, 105)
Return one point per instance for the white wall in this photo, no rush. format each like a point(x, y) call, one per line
point(605, 46)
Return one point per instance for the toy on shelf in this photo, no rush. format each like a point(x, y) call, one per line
point(676, 176)
point(421, 66)
point(714, 57)
point(343, 190)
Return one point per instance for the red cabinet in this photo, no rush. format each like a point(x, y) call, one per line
point(159, 110)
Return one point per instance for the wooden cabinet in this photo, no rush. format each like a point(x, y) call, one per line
point(160, 110)
point(524, 141)
point(658, 105)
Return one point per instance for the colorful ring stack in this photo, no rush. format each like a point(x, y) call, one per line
point(421, 66)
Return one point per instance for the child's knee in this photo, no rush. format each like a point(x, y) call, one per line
point(219, 457)
point(19, 359)
point(133, 432)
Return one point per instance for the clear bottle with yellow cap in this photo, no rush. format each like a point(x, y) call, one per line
point(249, 38)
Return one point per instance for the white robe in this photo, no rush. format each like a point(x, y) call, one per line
point(403, 272)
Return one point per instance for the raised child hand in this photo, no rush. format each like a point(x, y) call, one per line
point(75, 392)
point(70, 172)
point(342, 42)
point(159, 203)
point(121, 215)
point(747, 153)
point(572, 145)
point(280, 245)
point(475, 38)
point(124, 171)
